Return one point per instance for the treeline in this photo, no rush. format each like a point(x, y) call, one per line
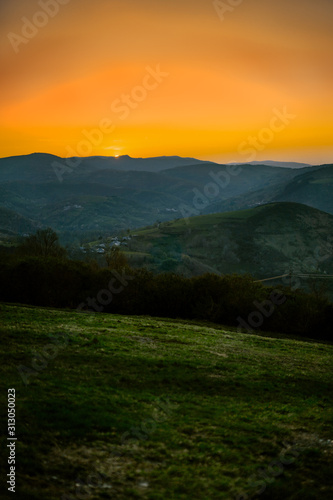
point(235, 300)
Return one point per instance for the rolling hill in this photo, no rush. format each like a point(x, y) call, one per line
point(107, 195)
point(284, 164)
point(312, 187)
point(11, 224)
point(265, 241)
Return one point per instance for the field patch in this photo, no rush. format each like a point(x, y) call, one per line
point(150, 408)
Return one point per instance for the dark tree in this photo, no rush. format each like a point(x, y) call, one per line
point(45, 243)
point(115, 258)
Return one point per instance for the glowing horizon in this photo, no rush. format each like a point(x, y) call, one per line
point(169, 78)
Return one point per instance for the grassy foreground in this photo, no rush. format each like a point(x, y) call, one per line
point(139, 408)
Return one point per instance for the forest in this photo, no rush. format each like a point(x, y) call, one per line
point(38, 272)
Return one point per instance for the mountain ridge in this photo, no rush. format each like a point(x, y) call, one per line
point(96, 197)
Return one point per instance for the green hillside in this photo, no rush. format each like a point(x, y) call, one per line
point(312, 187)
point(13, 224)
point(264, 241)
point(112, 406)
point(113, 194)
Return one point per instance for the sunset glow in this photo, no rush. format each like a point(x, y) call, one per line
point(168, 78)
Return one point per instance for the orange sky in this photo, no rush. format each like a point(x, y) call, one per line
point(221, 79)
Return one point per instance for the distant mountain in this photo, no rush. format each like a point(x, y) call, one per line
point(265, 241)
point(28, 168)
point(313, 187)
point(13, 224)
point(282, 164)
point(39, 167)
point(101, 194)
point(156, 164)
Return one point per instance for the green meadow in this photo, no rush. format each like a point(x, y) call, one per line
point(127, 407)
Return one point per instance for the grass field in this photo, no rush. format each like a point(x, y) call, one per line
point(138, 408)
